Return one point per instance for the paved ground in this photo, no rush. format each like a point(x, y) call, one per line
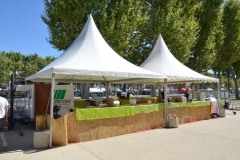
point(218, 138)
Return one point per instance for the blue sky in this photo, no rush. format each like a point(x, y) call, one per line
point(22, 29)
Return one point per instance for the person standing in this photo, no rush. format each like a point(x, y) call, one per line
point(3, 118)
point(187, 94)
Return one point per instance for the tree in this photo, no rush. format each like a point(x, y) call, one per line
point(65, 20)
point(219, 41)
point(29, 69)
point(5, 71)
point(17, 62)
point(49, 59)
point(20, 65)
point(229, 51)
point(117, 21)
point(33, 63)
point(175, 21)
point(204, 52)
point(235, 71)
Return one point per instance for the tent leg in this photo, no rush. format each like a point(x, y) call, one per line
point(51, 108)
point(166, 103)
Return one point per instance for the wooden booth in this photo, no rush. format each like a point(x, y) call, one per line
point(92, 122)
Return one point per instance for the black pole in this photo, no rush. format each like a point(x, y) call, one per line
point(124, 87)
point(11, 95)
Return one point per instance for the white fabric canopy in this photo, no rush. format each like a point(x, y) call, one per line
point(163, 62)
point(90, 59)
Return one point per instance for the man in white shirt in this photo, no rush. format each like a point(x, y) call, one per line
point(3, 118)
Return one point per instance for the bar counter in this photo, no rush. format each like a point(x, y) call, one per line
point(92, 123)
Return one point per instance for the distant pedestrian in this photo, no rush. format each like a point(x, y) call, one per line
point(3, 118)
point(187, 93)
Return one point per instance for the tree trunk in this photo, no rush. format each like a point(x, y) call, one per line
point(236, 87)
point(78, 89)
point(219, 77)
point(215, 74)
point(85, 91)
point(140, 89)
point(153, 90)
point(228, 78)
point(196, 86)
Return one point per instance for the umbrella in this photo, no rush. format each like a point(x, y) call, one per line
point(171, 89)
point(94, 90)
point(183, 89)
point(117, 90)
point(209, 89)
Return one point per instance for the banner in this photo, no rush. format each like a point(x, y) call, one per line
point(64, 98)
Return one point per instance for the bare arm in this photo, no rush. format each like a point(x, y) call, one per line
point(6, 115)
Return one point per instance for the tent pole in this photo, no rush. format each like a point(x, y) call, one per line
point(106, 90)
point(25, 98)
point(51, 107)
point(166, 103)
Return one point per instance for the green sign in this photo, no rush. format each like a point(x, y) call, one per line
point(59, 94)
point(59, 97)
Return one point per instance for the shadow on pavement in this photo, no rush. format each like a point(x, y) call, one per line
point(17, 143)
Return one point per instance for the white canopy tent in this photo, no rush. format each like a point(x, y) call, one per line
point(163, 62)
point(90, 59)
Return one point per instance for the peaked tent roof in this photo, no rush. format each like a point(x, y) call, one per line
point(91, 59)
point(163, 62)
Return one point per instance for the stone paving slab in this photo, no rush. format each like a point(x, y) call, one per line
point(217, 138)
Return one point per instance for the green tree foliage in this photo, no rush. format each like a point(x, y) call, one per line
point(175, 21)
point(20, 65)
point(129, 27)
point(199, 33)
point(204, 52)
point(228, 42)
point(33, 63)
point(16, 60)
point(219, 40)
point(30, 65)
point(29, 69)
point(5, 71)
point(230, 50)
point(235, 72)
point(65, 20)
point(116, 20)
point(119, 22)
